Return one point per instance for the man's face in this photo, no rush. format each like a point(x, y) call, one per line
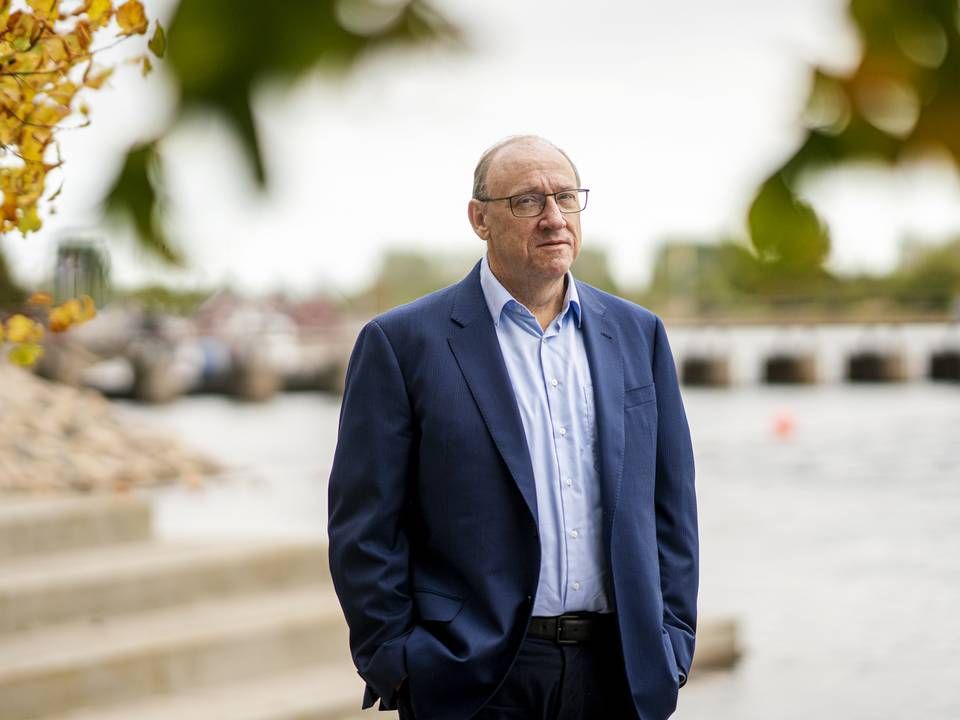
point(528, 250)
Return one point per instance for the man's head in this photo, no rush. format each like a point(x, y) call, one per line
point(525, 251)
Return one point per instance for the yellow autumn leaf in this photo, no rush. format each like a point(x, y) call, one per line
point(95, 80)
point(131, 18)
point(25, 355)
point(145, 66)
point(55, 49)
point(40, 298)
point(59, 319)
point(84, 34)
point(20, 328)
point(46, 9)
point(63, 93)
point(99, 12)
point(30, 222)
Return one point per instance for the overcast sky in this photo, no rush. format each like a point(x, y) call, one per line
point(674, 112)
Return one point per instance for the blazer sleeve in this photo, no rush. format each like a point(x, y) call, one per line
point(368, 545)
point(676, 508)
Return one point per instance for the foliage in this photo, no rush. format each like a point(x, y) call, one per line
point(160, 299)
point(725, 279)
point(218, 65)
point(24, 331)
point(931, 279)
point(592, 267)
point(47, 64)
point(902, 100)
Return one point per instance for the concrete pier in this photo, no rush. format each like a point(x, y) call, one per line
point(875, 366)
point(789, 369)
point(705, 371)
point(945, 365)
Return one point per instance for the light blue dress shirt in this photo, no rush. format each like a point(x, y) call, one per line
point(550, 375)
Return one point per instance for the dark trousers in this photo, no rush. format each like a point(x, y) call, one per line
point(561, 682)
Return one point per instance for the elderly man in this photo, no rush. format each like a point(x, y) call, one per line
point(513, 526)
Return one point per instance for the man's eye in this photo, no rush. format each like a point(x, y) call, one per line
point(526, 200)
point(566, 197)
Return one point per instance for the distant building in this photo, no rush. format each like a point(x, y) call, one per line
point(82, 268)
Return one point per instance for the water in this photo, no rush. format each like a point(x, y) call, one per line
point(835, 542)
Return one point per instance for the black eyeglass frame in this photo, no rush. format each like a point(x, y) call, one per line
point(586, 198)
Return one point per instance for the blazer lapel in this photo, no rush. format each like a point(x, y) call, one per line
point(477, 351)
point(606, 370)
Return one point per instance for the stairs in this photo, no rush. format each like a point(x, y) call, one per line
point(99, 621)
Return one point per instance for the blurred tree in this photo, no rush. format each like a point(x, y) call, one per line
point(930, 279)
point(408, 274)
point(902, 99)
point(221, 50)
point(592, 267)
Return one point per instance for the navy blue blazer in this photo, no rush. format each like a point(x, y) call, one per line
point(434, 550)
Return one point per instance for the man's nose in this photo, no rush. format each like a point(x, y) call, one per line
point(552, 218)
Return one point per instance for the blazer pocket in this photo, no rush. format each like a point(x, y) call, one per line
point(639, 395)
point(436, 607)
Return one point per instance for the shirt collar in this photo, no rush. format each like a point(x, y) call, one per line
point(498, 297)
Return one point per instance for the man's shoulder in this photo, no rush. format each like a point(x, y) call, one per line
point(420, 313)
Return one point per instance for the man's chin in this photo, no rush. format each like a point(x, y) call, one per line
point(553, 271)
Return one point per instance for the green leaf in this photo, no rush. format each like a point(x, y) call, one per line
point(158, 43)
point(786, 232)
point(134, 196)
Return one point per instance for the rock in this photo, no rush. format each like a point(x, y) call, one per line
point(59, 439)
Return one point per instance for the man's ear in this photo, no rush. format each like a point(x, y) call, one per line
point(477, 213)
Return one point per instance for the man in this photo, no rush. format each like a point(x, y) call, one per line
point(512, 512)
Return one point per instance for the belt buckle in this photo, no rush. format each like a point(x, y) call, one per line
point(559, 637)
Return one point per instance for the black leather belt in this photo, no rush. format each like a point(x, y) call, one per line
point(570, 629)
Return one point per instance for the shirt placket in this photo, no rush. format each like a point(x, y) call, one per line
point(557, 372)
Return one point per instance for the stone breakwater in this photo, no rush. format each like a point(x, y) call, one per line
point(58, 439)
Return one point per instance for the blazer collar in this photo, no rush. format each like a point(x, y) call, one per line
point(606, 370)
point(477, 351)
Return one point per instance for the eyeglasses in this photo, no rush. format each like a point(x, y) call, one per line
point(527, 205)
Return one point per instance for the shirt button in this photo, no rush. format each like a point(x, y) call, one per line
point(569, 482)
point(554, 382)
point(563, 431)
point(574, 534)
point(576, 586)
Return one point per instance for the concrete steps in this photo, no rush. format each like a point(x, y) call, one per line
point(99, 621)
point(34, 525)
point(316, 692)
point(105, 581)
point(56, 669)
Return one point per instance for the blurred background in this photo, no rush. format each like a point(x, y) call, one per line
point(777, 180)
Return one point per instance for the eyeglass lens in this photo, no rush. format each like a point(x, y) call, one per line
point(531, 204)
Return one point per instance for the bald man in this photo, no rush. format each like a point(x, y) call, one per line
point(513, 524)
